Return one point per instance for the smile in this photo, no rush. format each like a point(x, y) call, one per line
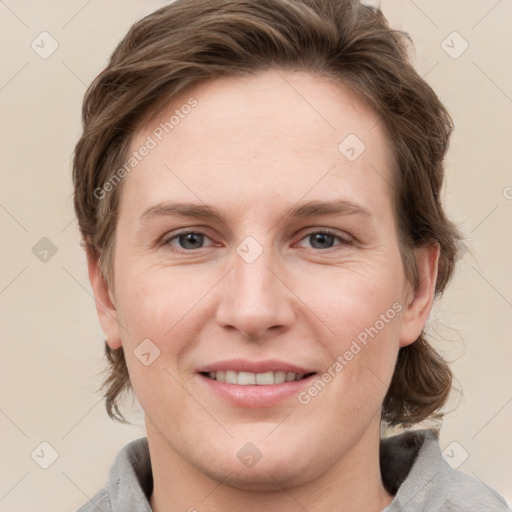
point(251, 379)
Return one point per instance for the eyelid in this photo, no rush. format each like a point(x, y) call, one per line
point(168, 237)
point(344, 239)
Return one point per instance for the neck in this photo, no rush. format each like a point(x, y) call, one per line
point(351, 484)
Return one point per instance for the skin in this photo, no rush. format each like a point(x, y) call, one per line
point(252, 147)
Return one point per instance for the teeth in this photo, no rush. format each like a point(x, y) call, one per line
point(290, 376)
point(279, 377)
point(263, 379)
point(231, 377)
point(249, 378)
point(246, 378)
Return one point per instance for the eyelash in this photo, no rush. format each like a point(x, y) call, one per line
point(325, 231)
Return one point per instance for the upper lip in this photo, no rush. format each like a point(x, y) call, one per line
point(244, 365)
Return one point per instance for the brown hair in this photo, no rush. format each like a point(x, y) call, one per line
point(190, 41)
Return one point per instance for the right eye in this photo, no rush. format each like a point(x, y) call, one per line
point(187, 240)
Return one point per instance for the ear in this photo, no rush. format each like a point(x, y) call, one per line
point(419, 301)
point(105, 306)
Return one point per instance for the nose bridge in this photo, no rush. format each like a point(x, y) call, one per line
point(253, 298)
point(252, 269)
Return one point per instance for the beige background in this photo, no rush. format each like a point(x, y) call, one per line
point(51, 341)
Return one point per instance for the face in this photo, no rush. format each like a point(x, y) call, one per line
point(259, 293)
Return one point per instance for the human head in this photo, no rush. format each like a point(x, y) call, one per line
point(191, 42)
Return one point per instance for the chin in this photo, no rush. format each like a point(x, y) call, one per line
point(269, 468)
point(269, 475)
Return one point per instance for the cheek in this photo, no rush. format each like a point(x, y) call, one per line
point(358, 298)
point(155, 302)
point(157, 313)
point(363, 313)
point(164, 313)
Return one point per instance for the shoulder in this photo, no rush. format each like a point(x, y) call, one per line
point(100, 501)
point(429, 482)
point(461, 492)
point(129, 484)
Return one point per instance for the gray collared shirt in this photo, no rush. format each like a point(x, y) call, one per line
point(412, 468)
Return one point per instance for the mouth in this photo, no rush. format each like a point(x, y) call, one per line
point(243, 378)
point(254, 384)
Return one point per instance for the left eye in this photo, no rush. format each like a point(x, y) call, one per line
point(191, 240)
point(319, 239)
point(188, 240)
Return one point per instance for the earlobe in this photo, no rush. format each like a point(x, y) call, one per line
point(419, 301)
point(105, 307)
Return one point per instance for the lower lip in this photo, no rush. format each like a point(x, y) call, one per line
point(253, 396)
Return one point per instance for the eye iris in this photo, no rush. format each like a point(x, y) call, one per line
point(192, 238)
point(321, 238)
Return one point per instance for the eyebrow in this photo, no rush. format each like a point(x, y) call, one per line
point(301, 210)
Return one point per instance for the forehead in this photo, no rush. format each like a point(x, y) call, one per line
point(273, 138)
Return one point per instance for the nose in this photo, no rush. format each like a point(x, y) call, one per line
point(255, 298)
